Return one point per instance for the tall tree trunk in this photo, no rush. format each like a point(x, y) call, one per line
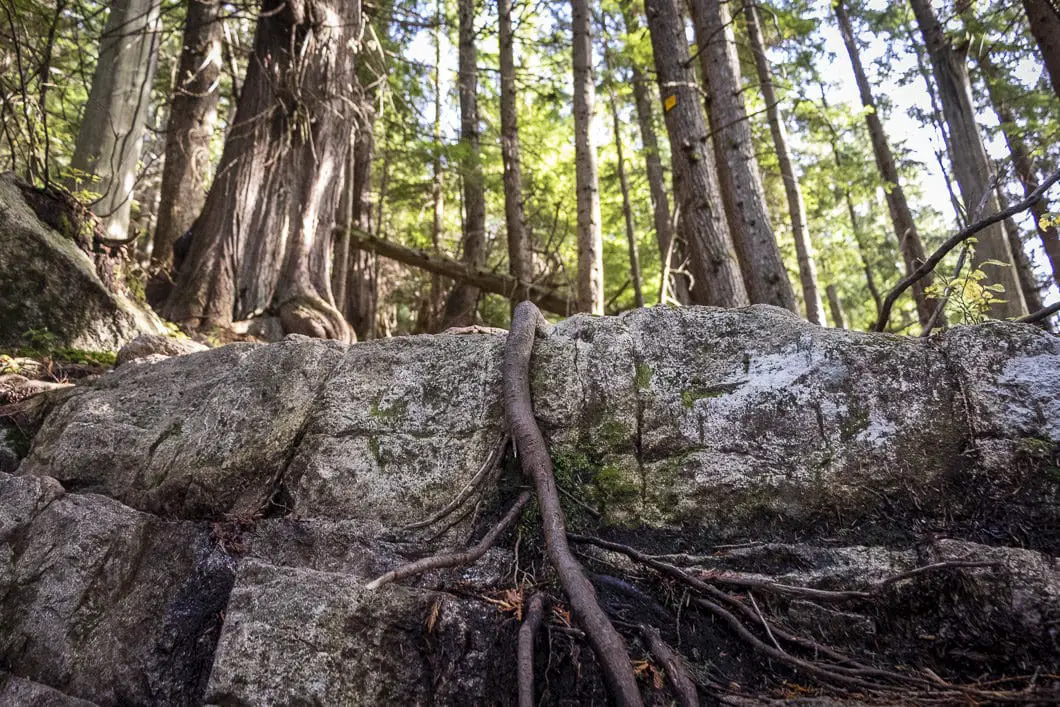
point(192, 115)
point(660, 201)
point(288, 145)
point(627, 209)
point(428, 314)
point(796, 206)
point(111, 132)
point(909, 243)
point(520, 263)
point(359, 290)
point(590, 237)
point(1026, 169)
point(701, 223)
point(745, 203)
point(971, 165)
point(837, 308)
point(462, 301)
point(1024, 272)
point(1044, 18)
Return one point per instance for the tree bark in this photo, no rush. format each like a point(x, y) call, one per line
point(909, 243)
point(520, 262)
point(701, 223)
point(192, 116)
point(288, 144)
point(623, 181)
point(971, 165)
point(837, 307)
point(627, 209)
point(1044, 19)
point(1026, 169)
point(590, 237)
point(811, 294)
point(1024, 272)
point(111, 132)
point(463, 298)
point(360, 284)
point(741, 184)
point(660, 201)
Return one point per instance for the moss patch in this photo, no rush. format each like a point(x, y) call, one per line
point(689, 396)
point(643, 376)
point(392, 412)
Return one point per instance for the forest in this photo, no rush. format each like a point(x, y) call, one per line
point(362, 170)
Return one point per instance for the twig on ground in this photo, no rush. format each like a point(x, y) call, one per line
point(456, 557)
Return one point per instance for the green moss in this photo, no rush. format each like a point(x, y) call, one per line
point(747, 363)
point(612, 434)
point(611, 485)
point(689, 396)
point(43, 345)
point(855, 424)
point(393, 412)
point(373, 447)
point(643, 377)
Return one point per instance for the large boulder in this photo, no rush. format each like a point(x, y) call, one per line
point(271, 482)
point(48, 283)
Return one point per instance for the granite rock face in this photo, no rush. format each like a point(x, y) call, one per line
point(48, 283)
point(200, 528)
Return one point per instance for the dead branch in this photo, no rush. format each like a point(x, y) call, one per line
point(525, 660)
point(675, 668)
point(457, 557)
point(1041, 314)
point(530, 445)
point(956, 239)
point(552, 300)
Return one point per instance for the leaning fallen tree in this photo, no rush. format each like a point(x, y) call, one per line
point(765, 509)
point(549, 299)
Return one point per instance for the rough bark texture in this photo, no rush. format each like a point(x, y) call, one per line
point(241, 497)
point(701, 222)
point(1044, 19)
point(251, 253)
point(463, 298)
point(800, 232)
point(109, 139)
point(905, 230)
point(838, 320)
point(192, 115)
point(643, 99)
point(741, 184)
point(520, 261)
point(1026, 169)
point(971, 165)
point(1024, 271)
point(590, 237)
point(627, 208)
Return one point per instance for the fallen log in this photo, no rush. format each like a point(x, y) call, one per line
point(547, 298)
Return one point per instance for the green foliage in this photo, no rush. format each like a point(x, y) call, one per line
point(43, 345)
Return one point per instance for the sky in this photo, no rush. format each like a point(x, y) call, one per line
point(921, 141)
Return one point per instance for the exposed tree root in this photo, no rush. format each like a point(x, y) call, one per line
point(608, 645)
point(840, 670)
point(312, 316)
point(485, 472)
point(527, 634)
point(457, 557)
point(675, 669)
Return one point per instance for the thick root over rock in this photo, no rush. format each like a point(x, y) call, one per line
point(312, 316)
